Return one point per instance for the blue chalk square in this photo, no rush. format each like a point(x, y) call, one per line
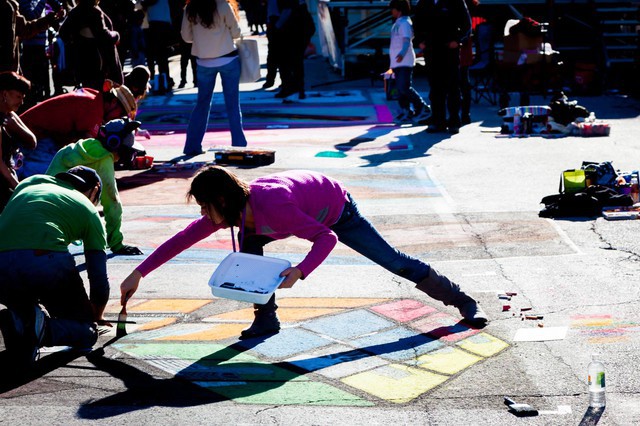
point(398, 344)
point(348, 325)
point(288, 342)
point(336, 361)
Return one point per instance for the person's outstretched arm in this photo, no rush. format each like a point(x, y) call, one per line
point(196, 231)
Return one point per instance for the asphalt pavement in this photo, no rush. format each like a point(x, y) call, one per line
point(359, 345)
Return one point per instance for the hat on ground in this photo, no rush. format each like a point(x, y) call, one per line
point(118, 134)
point(126, 98)
point(10, 80)
point(82, 178)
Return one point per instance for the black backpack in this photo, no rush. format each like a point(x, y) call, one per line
point(587, 203)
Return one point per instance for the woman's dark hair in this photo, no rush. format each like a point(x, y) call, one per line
point(402, 5)
point(224, 191)
point(10, 80)
point(201, 12)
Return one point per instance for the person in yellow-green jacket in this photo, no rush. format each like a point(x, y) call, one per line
point(115, 141)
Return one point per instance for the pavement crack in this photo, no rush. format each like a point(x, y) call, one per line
point(633, 256)
point(485, 248)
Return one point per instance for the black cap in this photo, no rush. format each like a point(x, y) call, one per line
point(82, 178)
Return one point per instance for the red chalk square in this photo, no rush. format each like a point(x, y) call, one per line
point(404, 310)
point(444, 327)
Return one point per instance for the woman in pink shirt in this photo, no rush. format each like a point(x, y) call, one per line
point(305, 204)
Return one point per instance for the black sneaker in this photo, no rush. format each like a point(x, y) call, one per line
point(453, 130)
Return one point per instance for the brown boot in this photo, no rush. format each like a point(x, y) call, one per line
point(265, 322)
point(443, 289)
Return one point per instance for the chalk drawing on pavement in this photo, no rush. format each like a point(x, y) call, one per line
point(330, 351)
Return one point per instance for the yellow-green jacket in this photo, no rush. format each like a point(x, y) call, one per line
point(91, 153)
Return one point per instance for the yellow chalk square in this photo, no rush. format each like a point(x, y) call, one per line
point(483, 344)
point(395, 383)
point(447, 360)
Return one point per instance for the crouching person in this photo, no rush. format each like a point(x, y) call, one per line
point(115, 141)
point(45, 215)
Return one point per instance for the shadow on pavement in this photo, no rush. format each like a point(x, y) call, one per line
point(239, 379)
point(13, 379)
point(421, 142)
point(591, 416)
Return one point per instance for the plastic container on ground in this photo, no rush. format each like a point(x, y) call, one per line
point(597, 384)
point(247, 277)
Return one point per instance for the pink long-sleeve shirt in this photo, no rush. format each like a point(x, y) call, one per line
point(298, 202)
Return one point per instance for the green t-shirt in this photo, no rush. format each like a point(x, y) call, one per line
point(45, 213)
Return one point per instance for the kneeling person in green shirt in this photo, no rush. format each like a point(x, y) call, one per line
point(115, 141)
point(44, 215)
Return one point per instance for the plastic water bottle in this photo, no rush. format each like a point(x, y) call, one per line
point(635, 190)
point(597, 386)
point(517, 122)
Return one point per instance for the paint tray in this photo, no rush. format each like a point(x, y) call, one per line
point(245, 157)
point(247, 277)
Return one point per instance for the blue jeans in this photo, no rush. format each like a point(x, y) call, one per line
point(355, 231)
point(407, 95)
point(51, 278)
point(230, 75)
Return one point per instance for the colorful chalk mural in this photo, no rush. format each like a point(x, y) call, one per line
point(331, 351)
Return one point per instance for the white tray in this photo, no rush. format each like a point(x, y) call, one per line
point(254, 278)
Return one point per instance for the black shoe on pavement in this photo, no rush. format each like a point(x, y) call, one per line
point(268, 84)
point(264, 324)
point(473, 314)
point(454, 130)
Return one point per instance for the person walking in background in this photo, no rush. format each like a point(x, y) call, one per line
point(441, 27)
point(14, 134)
point(89, 33)
point(296, 27)
point(184, 48)
point(33, 61)
point(14, 28)
point(402, 61)
point(138, 52)
point(159, 42)
point(466, 60)
point(211, 27)
point(274, 47)
point(301, 203)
